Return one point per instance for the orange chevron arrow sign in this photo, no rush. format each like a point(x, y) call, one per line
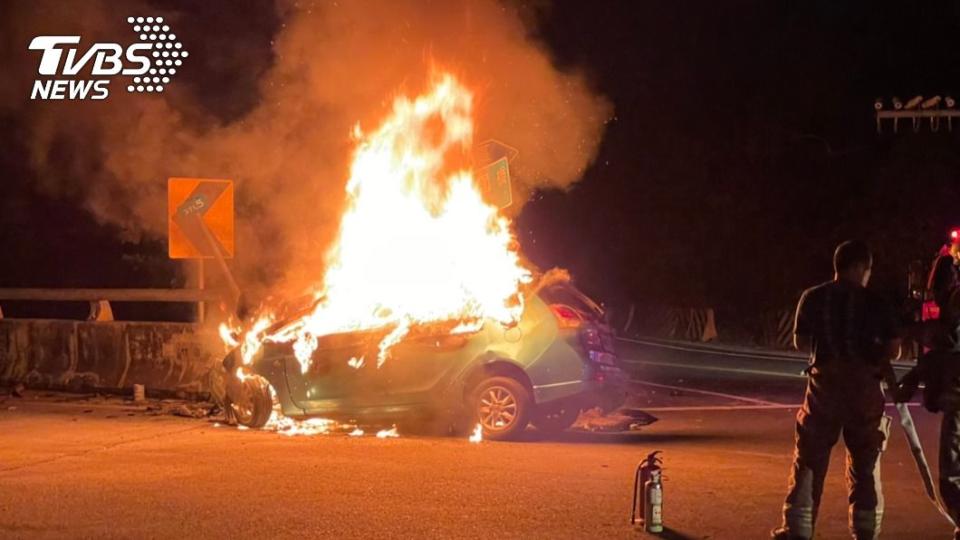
point(200, 218)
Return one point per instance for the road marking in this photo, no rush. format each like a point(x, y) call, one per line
point(798, 375)
point(692, 408)
point(785, 455)
point(709, 393)
point(688, 408)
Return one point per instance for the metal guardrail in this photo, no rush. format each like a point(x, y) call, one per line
point(110, 295)
point(739, 352)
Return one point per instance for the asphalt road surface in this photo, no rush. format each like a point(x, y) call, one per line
point(79, 467)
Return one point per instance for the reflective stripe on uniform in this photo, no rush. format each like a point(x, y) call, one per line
point(798, 520)
point(865, 524)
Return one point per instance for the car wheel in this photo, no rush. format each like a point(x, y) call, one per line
point(253, 406)
point(502, 407)
point(556, 419)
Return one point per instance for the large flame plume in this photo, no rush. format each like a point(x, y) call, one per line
point(417, 244)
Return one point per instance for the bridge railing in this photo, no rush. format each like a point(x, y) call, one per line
point(100, 299)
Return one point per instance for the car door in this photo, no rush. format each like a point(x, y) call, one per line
point(421, 366)
point(342, 374)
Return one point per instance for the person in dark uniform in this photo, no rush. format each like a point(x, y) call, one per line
point(939, 370)
point(851, 336)
point(944, 275)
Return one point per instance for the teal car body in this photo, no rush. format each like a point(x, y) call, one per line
point(560, 351)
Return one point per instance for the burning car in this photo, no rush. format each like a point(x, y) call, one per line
point(424, 301)
point(556, 361)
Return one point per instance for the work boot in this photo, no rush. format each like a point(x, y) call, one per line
point(780, 533)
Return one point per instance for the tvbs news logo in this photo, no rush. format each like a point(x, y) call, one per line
point(147, 65)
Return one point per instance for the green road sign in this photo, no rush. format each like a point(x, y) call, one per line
point(494, 181)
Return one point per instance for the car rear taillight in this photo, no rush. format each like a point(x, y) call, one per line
point(567, 317)
point(930, 311)
point(591, 338)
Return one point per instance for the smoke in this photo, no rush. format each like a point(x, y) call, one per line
point(333, 64)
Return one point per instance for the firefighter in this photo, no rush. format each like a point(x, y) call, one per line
point(944, 275)
point(851, 336)
point(939, 370)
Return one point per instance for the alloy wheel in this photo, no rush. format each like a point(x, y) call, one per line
point(497, 408)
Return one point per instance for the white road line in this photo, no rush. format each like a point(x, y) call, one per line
point(768, 455)
point(681, 408)
point(709, 393)
point(701, 367)
point(689, 408)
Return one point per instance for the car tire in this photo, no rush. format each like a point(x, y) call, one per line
point(502, 406)
point(553, 420)
point(254, 404)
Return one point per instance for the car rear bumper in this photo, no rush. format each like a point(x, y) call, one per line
point(609, 388)
point(603, 386)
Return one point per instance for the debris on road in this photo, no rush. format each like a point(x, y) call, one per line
point(618, 421)
point(290, 427)
point(171, 407)
point(190, 412)
point(17, 391)
point(139, 393)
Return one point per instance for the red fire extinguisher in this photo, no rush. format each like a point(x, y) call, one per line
point(648, 495)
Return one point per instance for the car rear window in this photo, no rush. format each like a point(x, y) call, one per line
point(568, 295)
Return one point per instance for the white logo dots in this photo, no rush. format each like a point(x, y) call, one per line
point(167, 52)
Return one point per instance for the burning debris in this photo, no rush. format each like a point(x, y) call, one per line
point(417, 245)
point(388, 433)
point(355, 363)
point(290, 427)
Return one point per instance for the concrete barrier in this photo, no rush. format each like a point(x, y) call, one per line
point(75, 355)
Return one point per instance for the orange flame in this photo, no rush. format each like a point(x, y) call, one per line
point(477, 434)
point(417, 243)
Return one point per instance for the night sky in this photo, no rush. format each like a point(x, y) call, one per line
point(742, 150)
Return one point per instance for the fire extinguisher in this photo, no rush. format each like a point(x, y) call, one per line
point(648, 495)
